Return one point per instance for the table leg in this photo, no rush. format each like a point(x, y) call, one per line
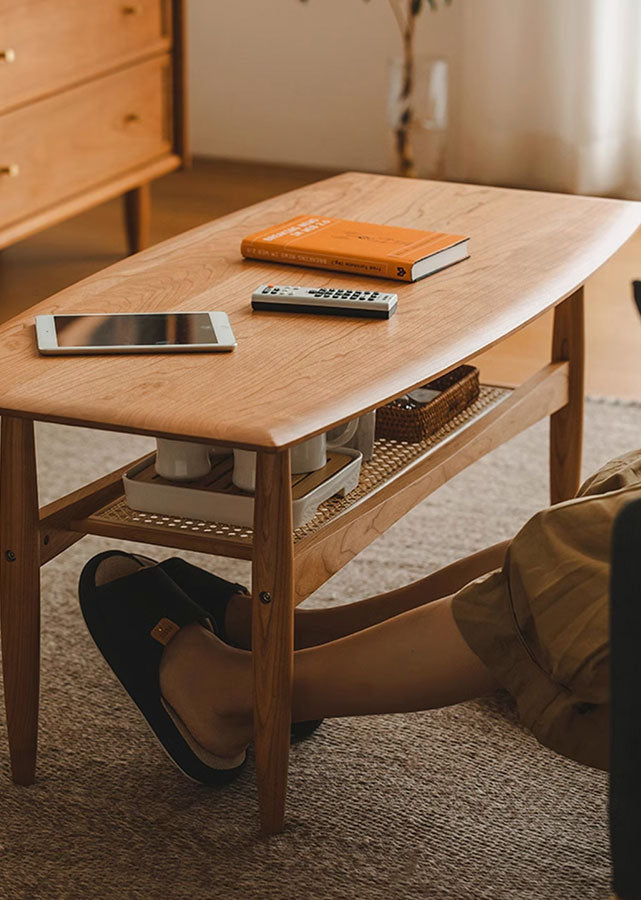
point(137, 212)
point(20, 593)
point(272, 633)
point(566, 425)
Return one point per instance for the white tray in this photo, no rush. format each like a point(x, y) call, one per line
point(215, 499)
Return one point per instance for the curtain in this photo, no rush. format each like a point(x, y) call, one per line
point(546, 94)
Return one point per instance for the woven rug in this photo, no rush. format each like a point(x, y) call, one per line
point(457, 804)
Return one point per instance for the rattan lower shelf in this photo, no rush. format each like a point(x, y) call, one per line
point(390, 457)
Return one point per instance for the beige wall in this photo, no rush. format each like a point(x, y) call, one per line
point(300, 83)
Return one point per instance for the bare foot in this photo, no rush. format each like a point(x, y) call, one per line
point(208, 685)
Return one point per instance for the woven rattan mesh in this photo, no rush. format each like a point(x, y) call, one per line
point(389, 458)
point(404, 419)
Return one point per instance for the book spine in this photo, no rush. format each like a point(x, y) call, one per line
point(318, 260)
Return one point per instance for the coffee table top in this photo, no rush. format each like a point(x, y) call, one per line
point(292, 376)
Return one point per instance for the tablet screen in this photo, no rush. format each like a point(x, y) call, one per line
point(150, 329)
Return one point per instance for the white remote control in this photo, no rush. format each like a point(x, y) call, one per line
point(328, 301)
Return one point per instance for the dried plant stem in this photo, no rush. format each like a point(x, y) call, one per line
point(407, 23)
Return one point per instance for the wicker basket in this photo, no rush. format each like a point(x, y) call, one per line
point(405, 419)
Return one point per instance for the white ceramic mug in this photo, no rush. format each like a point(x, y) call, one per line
point(309, 456)
point(182, 460)
point(365, 435)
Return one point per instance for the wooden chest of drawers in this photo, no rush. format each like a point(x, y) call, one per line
point(91, 107)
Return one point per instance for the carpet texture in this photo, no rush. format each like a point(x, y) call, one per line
point(457, 804)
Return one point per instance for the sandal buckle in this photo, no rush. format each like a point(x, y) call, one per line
point(164, 631)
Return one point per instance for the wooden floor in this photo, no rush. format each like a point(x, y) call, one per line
point(41, 265)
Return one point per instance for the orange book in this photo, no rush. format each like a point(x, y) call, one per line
point(364, 248)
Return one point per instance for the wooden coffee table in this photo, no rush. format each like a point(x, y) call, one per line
point(291, 377)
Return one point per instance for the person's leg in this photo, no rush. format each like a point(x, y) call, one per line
point(320, 626)
point(417, 660)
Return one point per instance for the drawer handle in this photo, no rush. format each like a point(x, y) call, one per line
point(7, 55)
point(11, 171)
point(132, 9)
point(131, 117)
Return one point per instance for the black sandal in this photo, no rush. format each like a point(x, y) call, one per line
point(213, 594)
point(131, 618)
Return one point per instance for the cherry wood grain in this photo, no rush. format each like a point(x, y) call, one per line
point(58, 43)
point(293, 376)
point(71, 206)
point(81, 118)
point(55, 518)
point(566, 425)
point(123, 119)
point(272, 633)
point(20, 593)
point(197, 541)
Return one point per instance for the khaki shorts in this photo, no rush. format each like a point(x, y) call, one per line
point(541, 623)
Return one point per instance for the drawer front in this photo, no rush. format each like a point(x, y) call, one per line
point(46, 45)
point(57, 148)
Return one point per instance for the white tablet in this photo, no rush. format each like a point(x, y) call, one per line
point(158, 332)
